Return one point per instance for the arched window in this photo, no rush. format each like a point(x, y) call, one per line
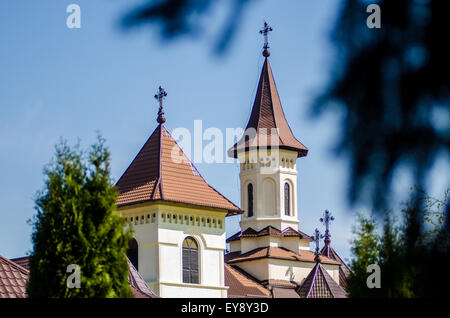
point(190, 261)
point(287, 199)
point(250, 199)
point(132, 253)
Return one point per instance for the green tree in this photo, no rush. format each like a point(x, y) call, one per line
point(76, 223)
point(411, 257)
point(365, 250)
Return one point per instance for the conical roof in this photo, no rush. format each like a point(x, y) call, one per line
point(161, 171)
point(319, 284)
point(268, 120)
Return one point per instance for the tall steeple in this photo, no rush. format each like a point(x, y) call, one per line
point(267, 125)
point(267, 152)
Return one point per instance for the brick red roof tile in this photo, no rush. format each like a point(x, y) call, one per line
point(13, 279)
point(276, 253)
point(279, 283)
point(161, 171)
point(22, 261)
point(280, 292)
point(267, 113)
point(138, 286)
point(243, 285)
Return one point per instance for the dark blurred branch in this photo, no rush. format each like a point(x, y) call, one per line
point(390, 83)
point(183, 17)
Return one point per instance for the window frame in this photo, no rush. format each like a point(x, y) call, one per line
point(287, 199)
point(133, 253)
point(190, 261)
point(250, 200)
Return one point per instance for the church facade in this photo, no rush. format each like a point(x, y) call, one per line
point(178, 219)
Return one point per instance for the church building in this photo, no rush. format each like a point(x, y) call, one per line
point(178, 219)
point(179, 246)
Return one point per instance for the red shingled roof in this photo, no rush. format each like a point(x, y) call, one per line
point(274, 252)
point(22, 261)
point(242, 285)
point(138, 286)
point(13, 279)
point(279, 292)
point(267, 113)
point(161, 171)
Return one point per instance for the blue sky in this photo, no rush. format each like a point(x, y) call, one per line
point(59, 82)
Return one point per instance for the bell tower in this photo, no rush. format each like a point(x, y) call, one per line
point(267, 153)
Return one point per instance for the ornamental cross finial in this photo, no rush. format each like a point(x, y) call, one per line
point(265, 31)
point(317, 237)
point(327, 218)
point(160, 97)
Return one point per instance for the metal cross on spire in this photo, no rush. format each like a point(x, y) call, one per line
point(316, 237)
point(327, 218)
point(265, 31)
point(160, 96)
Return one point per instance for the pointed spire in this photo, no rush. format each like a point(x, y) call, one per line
point(162, 171)
point(160, 97)
point(267, 120)
point(319, 284)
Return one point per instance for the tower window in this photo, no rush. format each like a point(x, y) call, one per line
point(250, 199)
point(132, 253)
point(287, 199)
point(190, 261)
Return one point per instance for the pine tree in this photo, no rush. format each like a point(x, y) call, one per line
point(76, 223)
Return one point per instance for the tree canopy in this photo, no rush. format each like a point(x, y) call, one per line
point(76, 224)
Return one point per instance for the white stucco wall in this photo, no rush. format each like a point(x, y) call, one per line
point(160, 235)
point(268, 187)
point(278, 269)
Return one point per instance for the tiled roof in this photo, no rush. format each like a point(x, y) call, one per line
point(279, 292)
point(13, 279)
point(138, 286)
point(319, 284)
point(22, 261)
point(279, 283)
point(267, 113)
point(344, 270)
point(242, 285)
point(269, 231)
point(161, 171)
point(276, 253)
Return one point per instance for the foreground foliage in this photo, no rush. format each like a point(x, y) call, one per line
point(412, 255)
point(76, 224)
